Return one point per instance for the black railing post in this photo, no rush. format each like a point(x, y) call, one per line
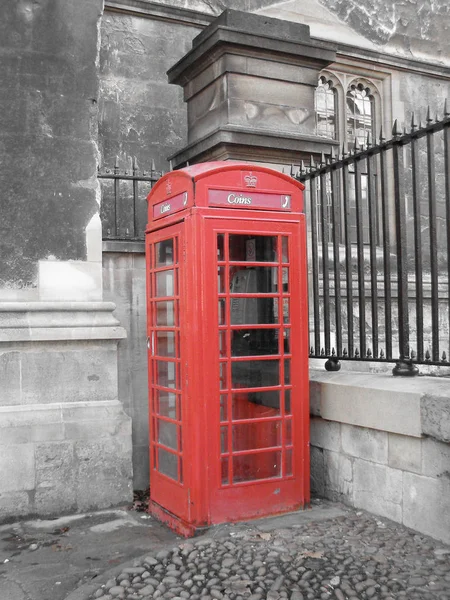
point(404, 365)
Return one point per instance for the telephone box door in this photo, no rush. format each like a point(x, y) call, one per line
point(260, 418)
point(165, 280)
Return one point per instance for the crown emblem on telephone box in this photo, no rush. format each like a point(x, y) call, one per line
point(251, 180)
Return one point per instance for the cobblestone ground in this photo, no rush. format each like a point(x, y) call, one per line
point(355, 556)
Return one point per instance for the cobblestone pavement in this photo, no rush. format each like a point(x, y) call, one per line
point(352, 556)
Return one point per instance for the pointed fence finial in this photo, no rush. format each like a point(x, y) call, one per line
point(116, 165)
point(170, 165)
point(428, 119)
point(395, 131)
point(382, 138)
point(153, 166)
point(446, 113)
point(413, 123)
point(302, 167)
point(312, 164)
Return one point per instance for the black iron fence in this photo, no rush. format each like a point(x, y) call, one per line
point(124, 206)
point(379, 247)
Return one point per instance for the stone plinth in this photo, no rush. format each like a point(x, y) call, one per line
point(381, 443)
point(65, 441)
point(249, 85)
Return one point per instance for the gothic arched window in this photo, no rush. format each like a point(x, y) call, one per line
point(360, 115)
point(326, 109)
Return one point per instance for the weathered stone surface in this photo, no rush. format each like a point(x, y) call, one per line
point(17, 465)
point(405, 453)
point(435, 412)
point(378, 488)
point(49, 109)
point(426, 505)
point(139, 115)
point(435, 458)
point(325, 434)
point(365, 443)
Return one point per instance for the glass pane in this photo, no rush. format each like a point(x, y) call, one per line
point(255, 373)
point(168, 463)
point(223, 407)
point(285, 249)
point(288, 432)
point(252, 342)
point(164, 253)
point(285, 279)
point(254, 311)
point(166, 404)
point(166, 374)
point(220, 246)
point(287, 371)
point(286, 313)
point(287, 341)
point(249, 405)
point(249, 467)
point(260, 434)
point(225, 476)
point(253, 248)
point(250, 280)
point(224, 439)
point(165, 313)
point(167, 434)
point(165, 283)
point(223, 343)
point(223, 376)
point(288, 459)
point(221, 280)
point(222, 315)
point(287, 402)
point(165, 343)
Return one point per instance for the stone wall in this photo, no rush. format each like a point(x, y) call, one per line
point(65, 442)
point(383, 444)
point(124, 282)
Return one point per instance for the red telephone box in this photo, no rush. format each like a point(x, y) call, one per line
point(228, 345)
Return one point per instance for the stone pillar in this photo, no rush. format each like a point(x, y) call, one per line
point(65, 442)
point(249, 84)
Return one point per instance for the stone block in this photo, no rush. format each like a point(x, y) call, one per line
point(141, 466)
point(38, 432)
point(378, 489)
point(365, 443)
point(377, 401)
point(55, 499)
point(338, 476)
point(55, 374)
point(317, 471)
point(405, 453)
point(10, 384)
point(435, 410)
point(72, 280)
point(55, 458)
point(315, 397)
point(325, 434)
point(17, 468)
point(14, 504)
point(426, 505)
point(435, 458)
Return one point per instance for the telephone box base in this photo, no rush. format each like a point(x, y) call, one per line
point(173, 522)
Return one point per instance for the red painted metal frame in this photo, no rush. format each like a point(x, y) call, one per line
point(201, 499)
